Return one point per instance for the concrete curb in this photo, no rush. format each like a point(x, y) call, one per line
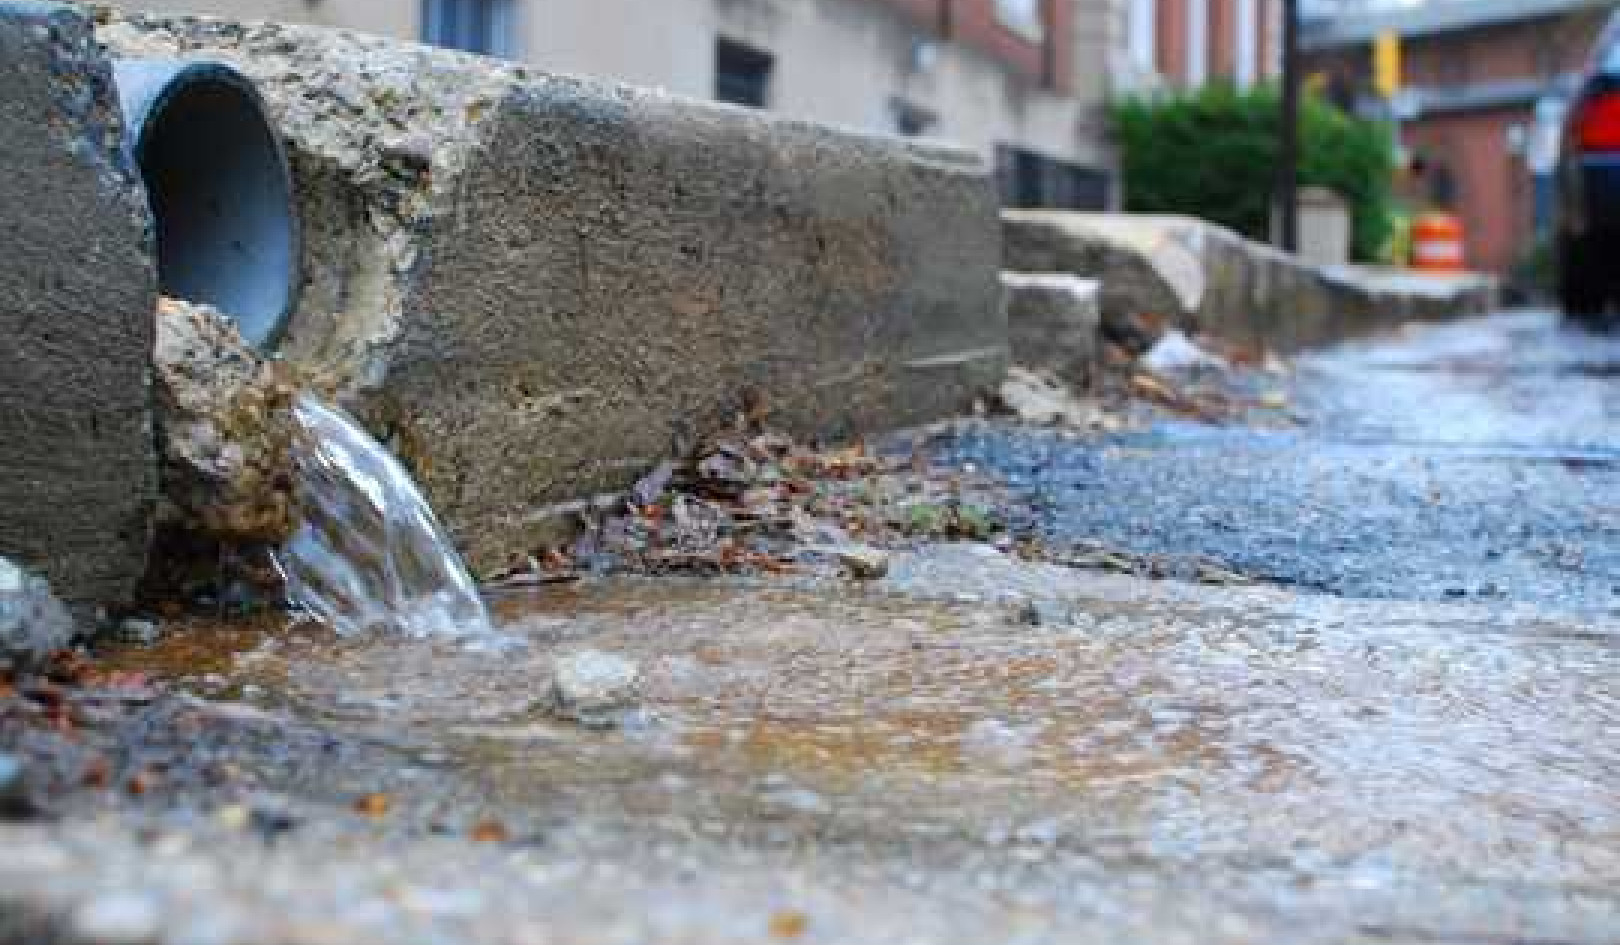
point(535, 287)
point(1202, 277)
point(78, 292)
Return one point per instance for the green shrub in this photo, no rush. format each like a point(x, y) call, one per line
point(1213, 154)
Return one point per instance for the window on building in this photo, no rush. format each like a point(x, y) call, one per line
point(1442, 185)
point(1022, 17)
point(479, 26)
point(742, 74)
point(912, 121)
point(1034, 181)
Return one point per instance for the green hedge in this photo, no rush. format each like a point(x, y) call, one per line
point(1213, 154)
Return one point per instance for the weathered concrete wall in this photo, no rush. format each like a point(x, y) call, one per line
point(1203, 277)
point(535, 287)
point(77, 295)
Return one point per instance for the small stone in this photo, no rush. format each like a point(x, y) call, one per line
point(33, 623)
point(863, 563)
point(998, 744)
point(233, 817)
point(593, 687)
point(139, 631)
point(1044, 612)
point(12, 578)
point(118, 919)
point(14, 800)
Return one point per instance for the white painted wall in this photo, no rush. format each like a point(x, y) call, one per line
point(388, 17)
point(1198, 42)
point(1245, 43)
point(838, 62)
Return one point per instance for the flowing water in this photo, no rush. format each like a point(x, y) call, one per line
point(369, 553)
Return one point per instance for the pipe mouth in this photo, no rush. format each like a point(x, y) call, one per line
point(219, 188)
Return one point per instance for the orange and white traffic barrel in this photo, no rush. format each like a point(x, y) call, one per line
point(1437, 242)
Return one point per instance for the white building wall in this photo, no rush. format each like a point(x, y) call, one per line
point(399, 18)
point(838, 62)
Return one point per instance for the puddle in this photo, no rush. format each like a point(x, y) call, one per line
point(1152, 730)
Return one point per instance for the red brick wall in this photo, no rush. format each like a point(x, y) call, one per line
point(1492, 185)
point(1049, 62)
point(1493, 194)
point(1172, 40)
point(1222, 39)
point(1172, 52)
point(1536, 49)
point(1267, 19)
point(1541, 48)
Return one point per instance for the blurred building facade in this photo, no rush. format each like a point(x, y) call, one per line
point(1184, 44)
point(1025, 82)
point(1483, 83)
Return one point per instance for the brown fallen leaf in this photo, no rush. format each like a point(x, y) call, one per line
point(141, 782)
point(489, 831)
point(373, 805)
point(97, 773)
point(789, 923)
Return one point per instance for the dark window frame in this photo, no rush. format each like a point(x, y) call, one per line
point(743, 74)
point(484, 27)
point(912, 120)
point(1033, 181)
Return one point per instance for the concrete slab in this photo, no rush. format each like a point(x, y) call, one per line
point(77, 294)
point(1204, 277)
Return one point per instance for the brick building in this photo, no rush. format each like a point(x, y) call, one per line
point(1182, 44)
point(1483, 82)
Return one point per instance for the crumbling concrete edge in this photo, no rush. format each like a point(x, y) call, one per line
point(1202, 277)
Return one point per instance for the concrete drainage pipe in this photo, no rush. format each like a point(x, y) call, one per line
point(220, 190)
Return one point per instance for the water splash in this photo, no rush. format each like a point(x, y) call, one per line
point(369, 553)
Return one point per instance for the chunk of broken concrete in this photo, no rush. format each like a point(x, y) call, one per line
point(1206, 279)
point(860, 562)
point(78, 475)
point(594, 687)
point(1040, 397)
point(224, 428)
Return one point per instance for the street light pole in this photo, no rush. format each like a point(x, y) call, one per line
point(1288, 132)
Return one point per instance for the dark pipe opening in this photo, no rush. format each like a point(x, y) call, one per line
point(219, 189)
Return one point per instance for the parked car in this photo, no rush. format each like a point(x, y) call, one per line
point(1589, 187)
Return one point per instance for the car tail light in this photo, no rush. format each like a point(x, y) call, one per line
point(1598, 124)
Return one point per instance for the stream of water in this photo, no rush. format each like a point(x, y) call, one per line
point(369, 553)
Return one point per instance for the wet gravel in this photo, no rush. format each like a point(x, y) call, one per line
point(1479, 460)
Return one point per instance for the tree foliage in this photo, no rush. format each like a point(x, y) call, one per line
point(1213, 153)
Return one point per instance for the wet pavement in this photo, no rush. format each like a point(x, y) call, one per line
point(975, 748)
point(1472, 460)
